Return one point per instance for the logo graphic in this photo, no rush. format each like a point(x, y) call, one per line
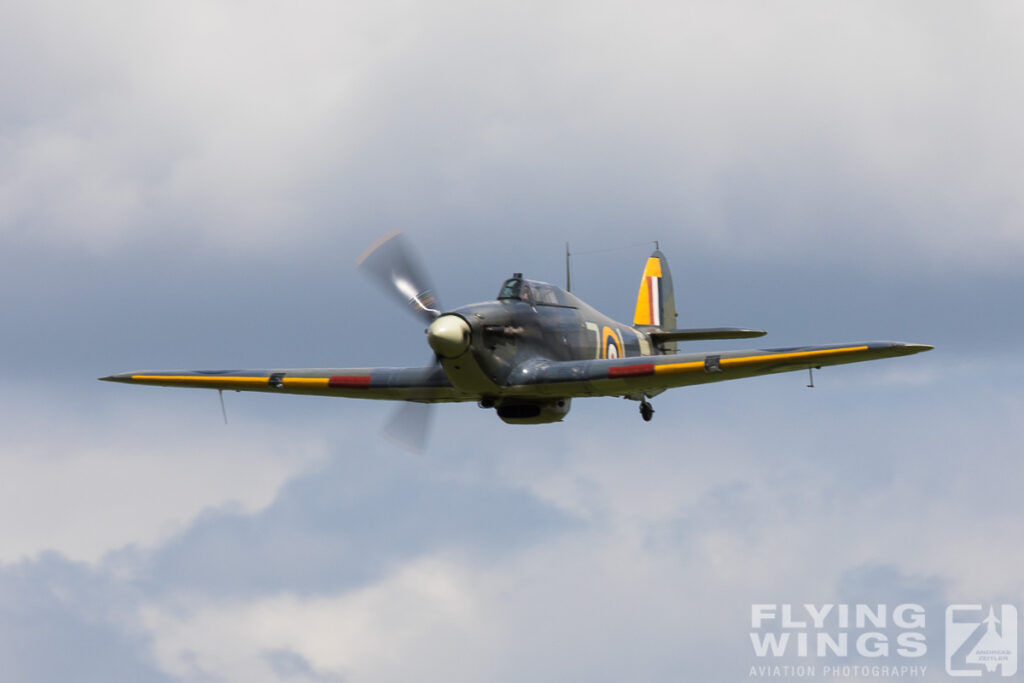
point(977, 644)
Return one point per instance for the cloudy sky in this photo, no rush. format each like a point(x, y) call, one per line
point(187, 185)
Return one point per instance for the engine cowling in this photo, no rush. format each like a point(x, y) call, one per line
point(518, 412)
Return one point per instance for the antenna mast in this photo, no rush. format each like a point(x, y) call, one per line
point(568, 276)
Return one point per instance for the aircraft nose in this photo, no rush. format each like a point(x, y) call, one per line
point(448, 336)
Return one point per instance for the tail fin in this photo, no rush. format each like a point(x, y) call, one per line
point(656, 302)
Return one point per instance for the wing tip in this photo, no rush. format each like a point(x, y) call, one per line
point(910, 348)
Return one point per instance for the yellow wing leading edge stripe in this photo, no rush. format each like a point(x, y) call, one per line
point(201, 380)
point(742, 361)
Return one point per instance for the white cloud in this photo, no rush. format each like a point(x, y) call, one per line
point(131, 477)
point(382, 632)
point(197, 120)
point(584, 608)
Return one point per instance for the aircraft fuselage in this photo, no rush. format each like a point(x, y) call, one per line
point(539, 323)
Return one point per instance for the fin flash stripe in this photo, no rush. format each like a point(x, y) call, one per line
point(648, 299)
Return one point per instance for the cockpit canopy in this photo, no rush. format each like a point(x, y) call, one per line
point(534, 292)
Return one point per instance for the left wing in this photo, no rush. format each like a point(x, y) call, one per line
point(651, 374)
point(427, 384)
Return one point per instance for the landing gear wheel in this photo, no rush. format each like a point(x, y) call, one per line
point(646, 411)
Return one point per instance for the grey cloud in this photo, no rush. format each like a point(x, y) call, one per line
point(83, 319)
point(62, 621)
point(290, 666)
point(345, 525)
point(879, 584)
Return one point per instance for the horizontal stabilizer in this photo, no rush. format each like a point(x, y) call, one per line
point(698, 333)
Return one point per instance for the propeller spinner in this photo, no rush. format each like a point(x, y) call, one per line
point(448, 335)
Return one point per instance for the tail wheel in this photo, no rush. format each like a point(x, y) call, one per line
point(646, 411)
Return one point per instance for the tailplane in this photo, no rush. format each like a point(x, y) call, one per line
point(656, 311)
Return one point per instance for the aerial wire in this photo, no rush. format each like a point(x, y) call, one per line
point(568, 255)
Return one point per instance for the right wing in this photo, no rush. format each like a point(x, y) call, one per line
point(427, 384)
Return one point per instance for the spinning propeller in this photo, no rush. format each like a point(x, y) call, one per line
point(392, 264)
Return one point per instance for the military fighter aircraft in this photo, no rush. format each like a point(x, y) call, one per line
point(528, 353)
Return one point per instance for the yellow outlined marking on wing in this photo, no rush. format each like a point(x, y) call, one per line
point(798, 355)
point(305, 381)
point(297, 382)
point(677, 368)
point(201, 379)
